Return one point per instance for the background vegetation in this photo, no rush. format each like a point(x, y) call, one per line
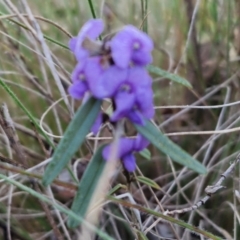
point(197, 40)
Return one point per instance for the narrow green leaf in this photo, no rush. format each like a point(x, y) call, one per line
point(147, 181)
point(165, 145)
point(73, 139)
point(118, 186)
point(141, 236)
point(146, 154)
point(87, 187)
point(171, 76)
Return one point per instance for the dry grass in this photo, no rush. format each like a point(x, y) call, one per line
point(198, 40)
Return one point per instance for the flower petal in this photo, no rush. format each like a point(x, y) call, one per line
point(72, 43)
point(125, 146)
point(77, 72)
point(142, 58)
point(121, 47)
point(97, 124)
point(144, 101)
point(94, 71)
point(146, 43)
point(124, 103)
point(106, 152)
point(78, 89)
point(103, 80)
point(140, 143)
point(91, 29)
point(129, 162)
point(111, 80)
point(136, 117)
point(138, 77)
point(131, 44)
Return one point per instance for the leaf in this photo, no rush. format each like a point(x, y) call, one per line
point(141, 236)
point(118, 186)
point(165, 145)
point(87, 187)
point(147, 181)
point(171, 76)
point(72, 139)
point(146, 154)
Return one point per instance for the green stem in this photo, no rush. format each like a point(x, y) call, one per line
point(145, 24)
point(92, 8)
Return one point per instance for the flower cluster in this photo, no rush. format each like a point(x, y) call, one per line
point(115, 68)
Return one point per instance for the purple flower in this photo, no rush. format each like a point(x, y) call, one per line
point(134, 97)
point(97, 124)
point(97, 76)
point(126, 148)
point(80, 85)
point(131, 45)
point(129, 88)
point(90, 30)
point(103, 78)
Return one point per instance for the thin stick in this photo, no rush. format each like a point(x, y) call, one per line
point(209, 190)
point(8, 127)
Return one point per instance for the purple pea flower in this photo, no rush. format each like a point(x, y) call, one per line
point(80, 85)
point(130, 89)
point(88, 75)
point(97, 124)
point(131, 45)
point(103, 78)
point(90, 30)
point(126, 148)
point(134, 97)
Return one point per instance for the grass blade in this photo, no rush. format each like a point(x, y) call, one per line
point(160, 72)
point(73, 138)
point(147, 181)
point(141, 236)
point(165, 145)
point(145, 153)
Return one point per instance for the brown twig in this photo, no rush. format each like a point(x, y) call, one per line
point(196, 47)
point(10, 161)
point(47, 154)
point(8, 127)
